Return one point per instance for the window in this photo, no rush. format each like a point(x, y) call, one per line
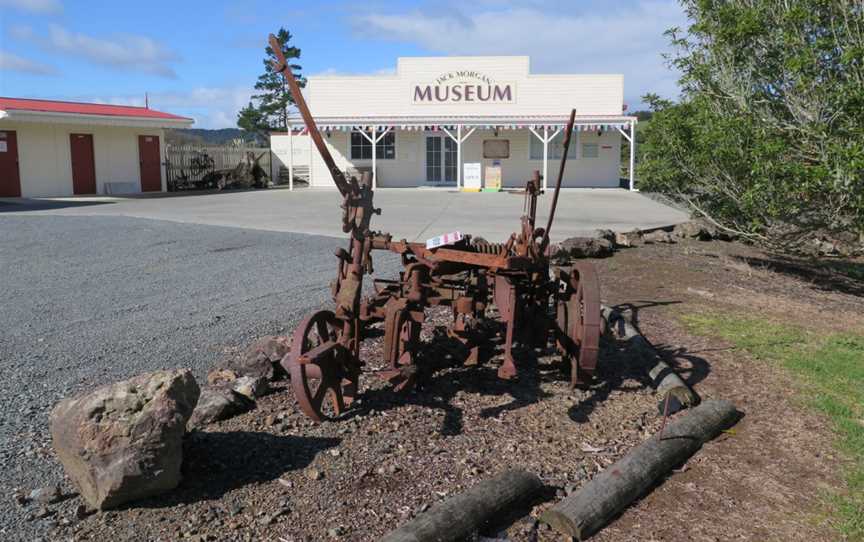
point(589, 150)
point(361, 148)
point(496, 148)
point(556, 147)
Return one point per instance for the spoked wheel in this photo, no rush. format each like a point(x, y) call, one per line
point(578, 319)
point(324, 374)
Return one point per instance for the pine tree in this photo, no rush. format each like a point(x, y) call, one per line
point(271, 111)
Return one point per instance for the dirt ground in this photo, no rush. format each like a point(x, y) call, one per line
point(272, 475)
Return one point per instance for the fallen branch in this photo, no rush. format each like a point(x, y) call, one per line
point(460, 516)
point(607, 494)
point(663, 378)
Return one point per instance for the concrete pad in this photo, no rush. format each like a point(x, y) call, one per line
point(412, 214)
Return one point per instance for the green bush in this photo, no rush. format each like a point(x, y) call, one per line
point(768, 138)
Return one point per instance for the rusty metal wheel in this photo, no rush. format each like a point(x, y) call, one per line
point(579, 321)
point(402, 333)
point(321, 368)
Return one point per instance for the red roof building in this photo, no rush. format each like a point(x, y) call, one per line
point(54, 148)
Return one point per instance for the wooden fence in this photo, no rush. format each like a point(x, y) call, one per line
point(188, 166)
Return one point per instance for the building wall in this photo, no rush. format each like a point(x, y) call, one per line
point(409, 167)
point(45, 161)
point(535, 94)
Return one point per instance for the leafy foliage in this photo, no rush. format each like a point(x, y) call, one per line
point(768, 139)
point(269, 109)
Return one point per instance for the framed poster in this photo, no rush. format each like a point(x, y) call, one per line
point(496, 148)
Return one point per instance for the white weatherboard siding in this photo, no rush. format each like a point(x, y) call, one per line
point(427, 93)
point(45, 161)
point(533, 94)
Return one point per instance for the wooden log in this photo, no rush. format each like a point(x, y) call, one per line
point(607, 494)
point(664, 379)
point(460, 516)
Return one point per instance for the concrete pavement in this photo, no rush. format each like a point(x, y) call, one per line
point(412, 214)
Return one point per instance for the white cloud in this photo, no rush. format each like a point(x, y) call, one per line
point(44, 7)
point(15, 63)
point(624, 39)
point(211, 107)
point(127, 52)
point(21, 32)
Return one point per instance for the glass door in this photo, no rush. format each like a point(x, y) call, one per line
point(433, 159)
point(449, 160)
point(440, 159)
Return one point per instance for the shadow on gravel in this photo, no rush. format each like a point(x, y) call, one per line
point(25, 205)
point(216, 463)
point(442, 376)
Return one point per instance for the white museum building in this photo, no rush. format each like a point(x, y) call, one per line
point(466, 122)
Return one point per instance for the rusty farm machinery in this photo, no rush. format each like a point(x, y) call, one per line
point(536, 303)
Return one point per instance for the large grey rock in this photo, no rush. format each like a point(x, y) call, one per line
point(124, 441)
point(218, 403)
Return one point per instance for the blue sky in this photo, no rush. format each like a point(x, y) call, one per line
point(201, 58)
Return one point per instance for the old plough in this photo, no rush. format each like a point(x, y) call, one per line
point(536, 303)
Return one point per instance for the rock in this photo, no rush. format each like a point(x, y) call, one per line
point(335, 532)
point(218, 403)
point(44, 513)
point(694, 230)
point(217, 377)
point(314, 474)
point(261, 359)
point(609, 235)
point(123, 441)
point(46, 495)
point(251, 387)
point(628, 239)
point(657, 236)
point(587, 247)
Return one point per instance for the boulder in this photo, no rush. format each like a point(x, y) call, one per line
point(218, 403)
point(609, 235)
point(694, 230)
point(586, 247)
point(657, 236)
point(123, 441)
point(251, 387)
point(261, 359)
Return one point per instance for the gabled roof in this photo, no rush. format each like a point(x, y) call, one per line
point(15, 107)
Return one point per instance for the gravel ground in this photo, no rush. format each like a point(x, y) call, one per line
point(89, 300)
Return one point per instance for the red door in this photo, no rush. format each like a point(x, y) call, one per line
point(10, 181)
point(151, 169)
point(83, 164)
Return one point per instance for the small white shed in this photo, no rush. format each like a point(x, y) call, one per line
point(53, 148)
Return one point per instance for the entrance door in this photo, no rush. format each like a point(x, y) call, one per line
point(151, 167)
point(10, 181)
point(83, 164)
point(440, 159)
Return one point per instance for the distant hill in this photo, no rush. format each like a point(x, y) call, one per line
point(186, 136)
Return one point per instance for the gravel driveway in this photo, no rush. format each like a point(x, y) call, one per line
point(90, 300)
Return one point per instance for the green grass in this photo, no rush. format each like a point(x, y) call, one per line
point(830, 369)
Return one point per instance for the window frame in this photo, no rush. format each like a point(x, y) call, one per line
point(365, 146)
point(572, 153)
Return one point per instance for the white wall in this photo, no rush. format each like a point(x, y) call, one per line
point(535, 94)
point(45, 162)
point(409, 167)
